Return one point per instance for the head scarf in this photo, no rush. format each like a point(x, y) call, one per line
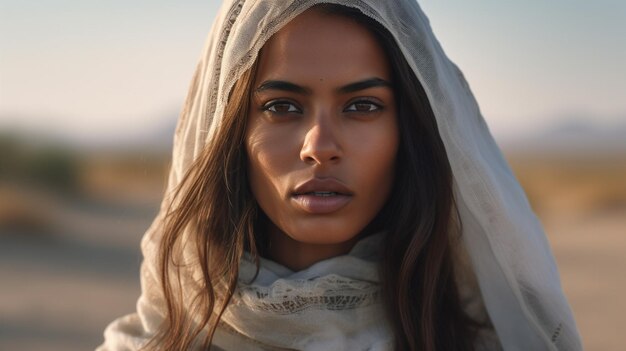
point(507, 249)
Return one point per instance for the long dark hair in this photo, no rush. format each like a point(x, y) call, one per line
point(215, 207)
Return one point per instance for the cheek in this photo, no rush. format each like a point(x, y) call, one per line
point(377, 162)
point(378, 143)
point(268, 165)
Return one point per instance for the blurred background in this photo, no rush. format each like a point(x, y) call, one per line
point(89, 96)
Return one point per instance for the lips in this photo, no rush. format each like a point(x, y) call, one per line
point(322, 185)
point(321, 196)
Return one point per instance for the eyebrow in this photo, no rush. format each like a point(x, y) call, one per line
point(282, 86)
point(364, 84)
point(349, 88)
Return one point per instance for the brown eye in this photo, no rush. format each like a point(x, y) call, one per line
point(281, 107)
point(363, 106)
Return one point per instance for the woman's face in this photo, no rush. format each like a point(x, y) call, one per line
point(322, 132)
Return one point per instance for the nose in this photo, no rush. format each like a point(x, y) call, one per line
point(321, 144)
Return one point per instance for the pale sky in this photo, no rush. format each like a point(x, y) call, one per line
point(87, 70)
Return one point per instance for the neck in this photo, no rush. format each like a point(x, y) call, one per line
point(297, 255)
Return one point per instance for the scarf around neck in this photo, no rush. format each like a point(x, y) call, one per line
point(335, 304)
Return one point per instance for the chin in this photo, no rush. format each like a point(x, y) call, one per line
point(324, 232)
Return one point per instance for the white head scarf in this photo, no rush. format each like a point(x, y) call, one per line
point(507, 248)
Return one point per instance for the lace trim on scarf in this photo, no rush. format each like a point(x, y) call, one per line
point(331, 292)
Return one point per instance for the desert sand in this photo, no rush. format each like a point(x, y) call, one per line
point(70, 265)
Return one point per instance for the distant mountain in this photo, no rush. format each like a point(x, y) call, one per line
point(572, 136)
point(156, 136)
point(160, 137)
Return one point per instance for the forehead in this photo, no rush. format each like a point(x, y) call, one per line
point(322, 46)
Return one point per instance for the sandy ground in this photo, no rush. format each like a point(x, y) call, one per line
point(591, 255)
point(61, 288)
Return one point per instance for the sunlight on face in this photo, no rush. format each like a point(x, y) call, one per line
point(322, 135)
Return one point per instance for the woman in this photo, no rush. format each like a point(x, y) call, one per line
point(334, 187)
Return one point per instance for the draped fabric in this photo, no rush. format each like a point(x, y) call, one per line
point(506, 249)
point(333, 305)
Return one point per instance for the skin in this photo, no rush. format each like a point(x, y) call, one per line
point(314, 127)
